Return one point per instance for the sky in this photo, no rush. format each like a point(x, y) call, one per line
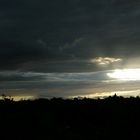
point(68, 48)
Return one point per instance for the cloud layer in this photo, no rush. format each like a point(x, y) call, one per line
point(46, 85)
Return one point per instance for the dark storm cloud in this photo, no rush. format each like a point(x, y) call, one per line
point(14, 53)
point(40, 35)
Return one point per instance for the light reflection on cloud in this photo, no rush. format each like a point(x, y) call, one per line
point(18, 98)
point(105, 60)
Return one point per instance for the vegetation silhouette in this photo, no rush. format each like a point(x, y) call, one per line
point(90, 119)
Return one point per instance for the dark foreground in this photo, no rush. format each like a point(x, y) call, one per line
point(111, 118)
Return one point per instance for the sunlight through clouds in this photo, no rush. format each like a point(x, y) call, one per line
point(125, 74)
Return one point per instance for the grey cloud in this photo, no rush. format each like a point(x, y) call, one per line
point(21, 76)
point(50, 31)
point(16, 76)
point(66, 85)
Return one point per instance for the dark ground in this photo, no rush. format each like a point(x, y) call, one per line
point(110, 118)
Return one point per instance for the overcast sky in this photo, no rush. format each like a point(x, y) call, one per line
point(52, 35)
point(67, 36)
